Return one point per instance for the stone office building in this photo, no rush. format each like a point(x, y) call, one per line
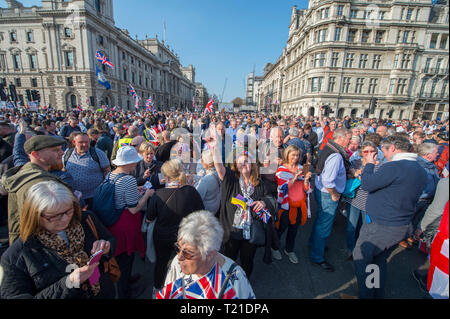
point(52, 49)
point(348, 54)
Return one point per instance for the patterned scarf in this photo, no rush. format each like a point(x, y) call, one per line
point(242, 216)
point(72, 253)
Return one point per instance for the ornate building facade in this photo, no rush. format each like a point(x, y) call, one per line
point(354, 55)
point(52, 49)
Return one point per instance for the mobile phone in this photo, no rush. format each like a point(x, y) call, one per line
point(95, 277)
point(148, 185)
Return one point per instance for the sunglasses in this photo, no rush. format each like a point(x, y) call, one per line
point(368, 152)
point(185, 254)
point(58, 217)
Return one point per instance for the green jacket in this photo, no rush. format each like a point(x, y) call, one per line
point(17, 181)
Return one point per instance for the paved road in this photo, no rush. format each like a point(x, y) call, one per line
point(284, 280)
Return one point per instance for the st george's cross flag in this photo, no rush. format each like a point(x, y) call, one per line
point(207, 287)
point(103, 59)
point(208, 108)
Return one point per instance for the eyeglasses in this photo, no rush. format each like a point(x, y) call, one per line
point(58, 217)
point(185, 254)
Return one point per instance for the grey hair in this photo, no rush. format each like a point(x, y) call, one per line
point(50, 196)
point(201, 229)
point(426, 148)
point(341, 132)
point(356, 138)
point(293, 131)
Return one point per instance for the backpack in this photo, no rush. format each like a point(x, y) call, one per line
point(92, 152)
point(104, 205)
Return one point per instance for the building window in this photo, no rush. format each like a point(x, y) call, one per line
point(13, 36)
point(443, 44)
point(316, 84)
point(340, 10)
point(16, 61)
point(376, 61)
point(405, 36)
point(337, 34)
point(100, 39)
point(97, 5)
point(33, 62)
point(444, 89)
point(362, 61)
point(67, 32)
point(391, 86)
point(123, 56)
point(427, 65)
point(381, 15)
point(438, 64)
point(372, 86)
point(321, 35)
point(417, 14)
point(349, 60)
point(413, 36)
point(331, 83)
point(433, 87)
point(322, 59)
point(124, 74)
point(346, 84)
point(2, 62)
point(405, 61)
point(359, 85)
point(34, 82)
point(132, 77)
point(367, 14)
point(409, 14)
point(422, 86)
point(18, 82)
point(433, 41)
point(401, 85)
point(69, 58)
point(351, 35)
point(334, 59)
point(353, 13)
point(69, 81)
point(396, 61)
point(365, 36)
point(29, 36)
point(131, 60)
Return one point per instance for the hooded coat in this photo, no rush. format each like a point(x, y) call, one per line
point(17, 181)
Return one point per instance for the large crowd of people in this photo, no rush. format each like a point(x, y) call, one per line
point(197, 194)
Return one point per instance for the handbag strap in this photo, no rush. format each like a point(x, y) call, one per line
point(227, 279)
point(91, 225)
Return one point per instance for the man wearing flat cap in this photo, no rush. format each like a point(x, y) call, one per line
point(45, 153)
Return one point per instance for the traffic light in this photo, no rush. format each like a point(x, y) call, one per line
point(12, 92)
point(28, 92)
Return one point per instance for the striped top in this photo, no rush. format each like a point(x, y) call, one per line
point(126, 192)
point(360, 199)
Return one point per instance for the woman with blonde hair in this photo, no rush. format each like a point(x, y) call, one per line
point(148, 168)
point(55, 238)
point(293, 181)
point(168, 207)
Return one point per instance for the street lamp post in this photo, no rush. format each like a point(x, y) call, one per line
point(281, 92)
point(43, 89)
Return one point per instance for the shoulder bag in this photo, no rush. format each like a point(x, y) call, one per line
point(111, 266)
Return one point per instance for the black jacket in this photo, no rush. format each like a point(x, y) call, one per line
point(32, 270)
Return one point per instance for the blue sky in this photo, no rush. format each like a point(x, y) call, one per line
point(223, 40)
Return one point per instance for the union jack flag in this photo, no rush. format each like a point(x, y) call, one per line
point(103, 59)
point(161, 127)
point(151, 135)
point(207, 287)
point(208, 108)
point(194, 106)
point(79, 108)
point(149, 104)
